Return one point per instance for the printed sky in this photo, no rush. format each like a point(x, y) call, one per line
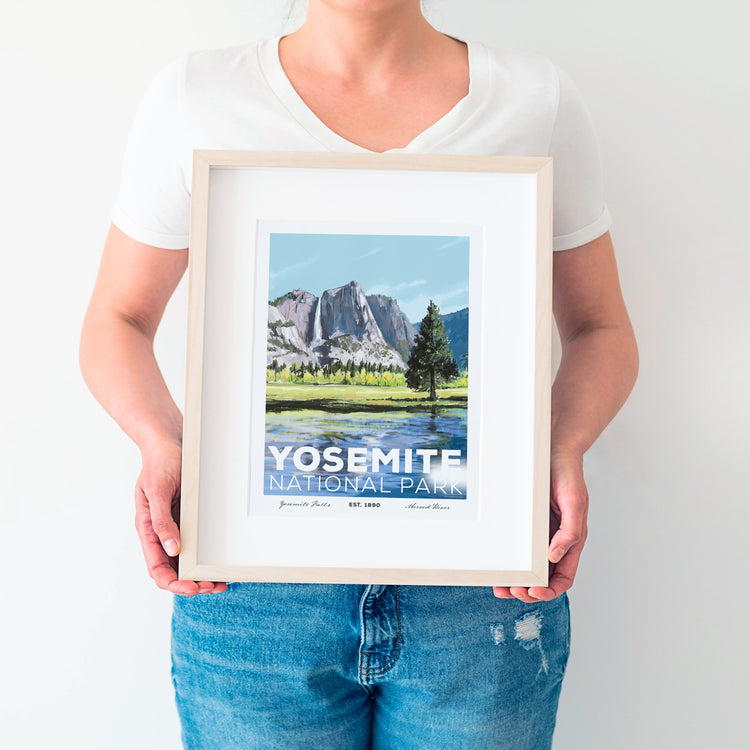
point(413, 269)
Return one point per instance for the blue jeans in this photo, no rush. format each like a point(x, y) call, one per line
point(345, 667)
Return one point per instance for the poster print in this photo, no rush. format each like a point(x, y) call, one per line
point(362, 404)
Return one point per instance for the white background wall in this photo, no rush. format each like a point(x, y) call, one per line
point(660, 656)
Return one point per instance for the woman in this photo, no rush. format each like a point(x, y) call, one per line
point(359, 666)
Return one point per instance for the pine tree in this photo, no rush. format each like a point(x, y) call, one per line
point(431, 360)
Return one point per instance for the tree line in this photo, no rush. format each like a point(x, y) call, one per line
point(336, 372)
point(431, 365)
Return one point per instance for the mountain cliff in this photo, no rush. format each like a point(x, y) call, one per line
point(284, 342)
point(298, 306)
point(346, 311)
point(343, 324)
point(396, 329)
point(457, 328)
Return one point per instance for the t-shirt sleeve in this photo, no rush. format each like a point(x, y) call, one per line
point(580, 213)
point(153, 202)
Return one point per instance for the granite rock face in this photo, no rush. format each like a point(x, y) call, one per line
point(394, 325)
point(284, 342)
point(298, 306)
point(345, 310)
point(343, 324)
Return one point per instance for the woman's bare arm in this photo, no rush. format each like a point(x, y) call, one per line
point(132, 289)
point(597, 372)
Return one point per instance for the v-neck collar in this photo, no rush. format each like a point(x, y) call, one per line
point(449, 123)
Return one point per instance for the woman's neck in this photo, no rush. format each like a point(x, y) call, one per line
point(364, 39)
point(374, 71)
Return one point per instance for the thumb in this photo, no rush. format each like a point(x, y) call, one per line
point(161, 496)
point(569, 503)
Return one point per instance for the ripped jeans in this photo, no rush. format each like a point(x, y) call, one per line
point(346, 667)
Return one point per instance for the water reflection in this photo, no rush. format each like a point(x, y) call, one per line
point(441, 429)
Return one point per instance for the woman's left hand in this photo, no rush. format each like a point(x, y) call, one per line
point(569, 504)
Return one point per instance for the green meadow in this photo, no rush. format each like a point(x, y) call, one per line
point(350, 398)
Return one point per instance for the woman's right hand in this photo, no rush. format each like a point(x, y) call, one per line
point(157, 513)
point(135, 282)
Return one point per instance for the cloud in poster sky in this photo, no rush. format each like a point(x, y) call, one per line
point(374, 251)
point(451, 243)
point(294, 268)
point(392, 290)
point(448, 301)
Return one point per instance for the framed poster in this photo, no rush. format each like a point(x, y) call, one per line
point(368, 376)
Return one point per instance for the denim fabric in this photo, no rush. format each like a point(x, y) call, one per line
point(367, 668)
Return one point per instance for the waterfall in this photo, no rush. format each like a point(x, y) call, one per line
point(317, 324)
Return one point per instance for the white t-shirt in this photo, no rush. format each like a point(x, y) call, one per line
point(240, 98)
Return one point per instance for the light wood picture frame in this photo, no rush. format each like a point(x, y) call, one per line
point(328, 295)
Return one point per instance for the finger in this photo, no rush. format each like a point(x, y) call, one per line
point(184, 588)
point(562, 578)
point(160, 567)
point(210, 587)
point(569, 502)
point(162, 571)
point(572, 529)
point(160, 497)
point(563, 541)
point(522, 594)
point(565, 571)
point(192, 588)
point(541, 594)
